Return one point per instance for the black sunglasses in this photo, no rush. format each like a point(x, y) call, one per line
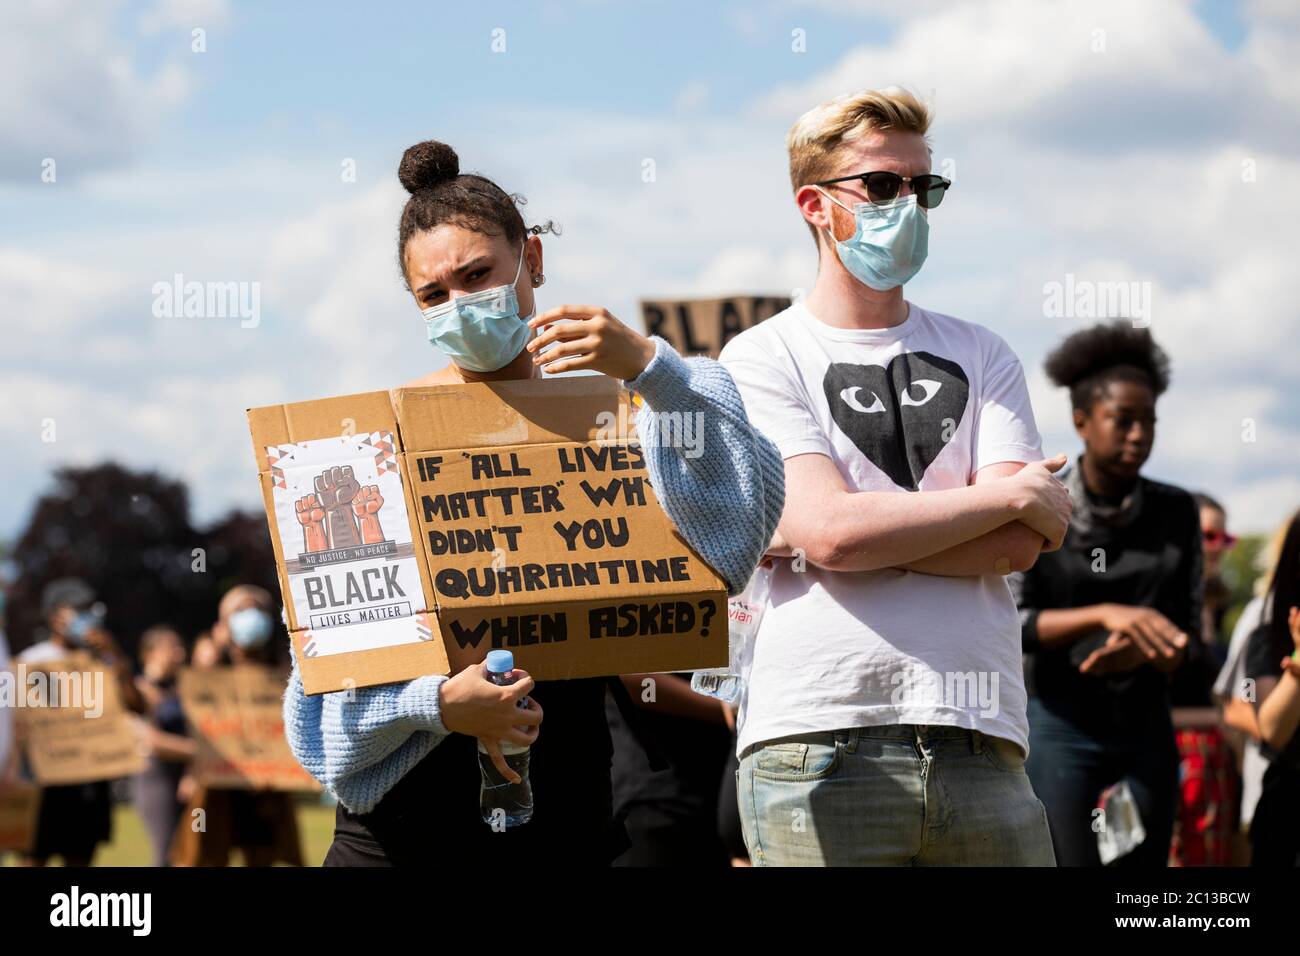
point(882, 186)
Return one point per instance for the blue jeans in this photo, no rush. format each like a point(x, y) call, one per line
point(892, 795)
point(1071, 765)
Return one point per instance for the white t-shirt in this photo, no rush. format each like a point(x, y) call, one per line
point(921, 406)
point(42, 652)
point(1254, 762)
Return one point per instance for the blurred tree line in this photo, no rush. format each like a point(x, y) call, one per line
point(128, 534)
point(1241, 569)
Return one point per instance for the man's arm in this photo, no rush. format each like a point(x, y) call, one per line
point(1003, 432)
point(869, 530)
point(1013, 547)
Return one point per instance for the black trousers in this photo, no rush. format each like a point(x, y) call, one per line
point(431, 817)
point(1275, 828)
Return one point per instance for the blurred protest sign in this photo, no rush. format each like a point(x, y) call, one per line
point(73, 724)
point(19, 803)
point(704, 326)
point(236, 721)
point(536, 525)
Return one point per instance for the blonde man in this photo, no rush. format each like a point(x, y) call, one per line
point(884, 718)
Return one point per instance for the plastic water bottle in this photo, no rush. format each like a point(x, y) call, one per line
point(744, 613)
point(502, 803)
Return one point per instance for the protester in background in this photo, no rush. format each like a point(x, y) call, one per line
point(1110, 615)
point(261, 824)
point(155, 791)
point(75, 818)
point(1273, 663)
point(206, 652)
point(1216, 542)
point(915, 482)
point(8, 750)
point(401, 758)
point(1237, 693)
point(1205, 823)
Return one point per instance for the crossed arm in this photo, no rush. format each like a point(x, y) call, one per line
point(955, 533)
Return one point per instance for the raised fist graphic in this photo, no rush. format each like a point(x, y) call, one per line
point(336, 487)
point(312, 518)
point(366, 507)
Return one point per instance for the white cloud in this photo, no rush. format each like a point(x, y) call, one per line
point(73, 91)
point(48, 300)
point(1107, 74)
point(1059, 169)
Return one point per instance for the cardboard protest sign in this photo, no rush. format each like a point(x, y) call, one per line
point(354, 585)
point(19, 803)
point(704, 326)
point(528, 515)
point(236, 721)
point(76, 730)
point(543, 535)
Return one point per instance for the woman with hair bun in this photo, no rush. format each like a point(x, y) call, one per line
point(401, 758)
point(1110, 615)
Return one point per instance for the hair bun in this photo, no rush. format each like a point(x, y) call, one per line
point(427, 164)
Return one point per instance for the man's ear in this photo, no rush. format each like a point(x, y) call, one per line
point(814, 207)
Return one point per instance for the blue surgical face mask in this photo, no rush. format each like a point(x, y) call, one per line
point(250, 627)
point(889, 245)
point(482, 331)
point(83, 622)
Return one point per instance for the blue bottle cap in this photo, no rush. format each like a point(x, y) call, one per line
point(500, 662)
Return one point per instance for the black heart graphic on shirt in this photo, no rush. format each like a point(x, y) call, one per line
point(901, 415)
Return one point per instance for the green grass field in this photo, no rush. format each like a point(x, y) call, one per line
point(130, 845)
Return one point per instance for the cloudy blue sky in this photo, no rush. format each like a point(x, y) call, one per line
point(1154, 142)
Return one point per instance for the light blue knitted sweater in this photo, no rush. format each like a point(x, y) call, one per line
point(723, 488)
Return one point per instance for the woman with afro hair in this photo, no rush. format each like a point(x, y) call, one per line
point(1108, 617)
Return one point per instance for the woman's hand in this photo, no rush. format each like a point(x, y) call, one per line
point(1159, 639)
point(471, 704)
point(591, 338)
point(1118, 655)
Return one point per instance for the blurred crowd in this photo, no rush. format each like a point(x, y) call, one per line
point(188, 823)
point(1231, 751)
